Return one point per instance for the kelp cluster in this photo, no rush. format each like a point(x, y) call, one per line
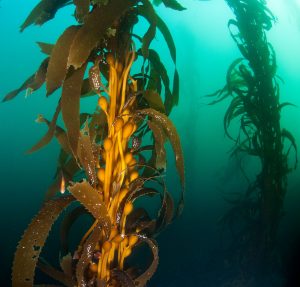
point(104, 164)
point(252, 85)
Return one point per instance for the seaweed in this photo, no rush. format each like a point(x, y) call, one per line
point(252, 85)
point(102, 166)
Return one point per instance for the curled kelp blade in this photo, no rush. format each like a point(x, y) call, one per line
point(154, 100)
point(166, 213)
point(171, 133)
point(68, 221)
point(138, 219)
point(88, 36)
point(141, 280)
point(90, 199)
point(170, 101)
point(87, 254)
point(33, 83)
point(44, 11)
point(33, 240)
point(57, 68)
point(159, 142)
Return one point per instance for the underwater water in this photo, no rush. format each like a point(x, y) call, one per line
point(190, 248)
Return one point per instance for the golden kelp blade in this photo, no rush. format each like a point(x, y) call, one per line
point(171, 133)
point(33, 240)
point(94, 28)
point(90, 199)
point(57, 68)
point(143, 278)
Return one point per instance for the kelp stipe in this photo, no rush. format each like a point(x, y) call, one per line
point(104, 149)
point(253, 87)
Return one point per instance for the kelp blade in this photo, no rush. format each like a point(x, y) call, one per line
point(33, 240)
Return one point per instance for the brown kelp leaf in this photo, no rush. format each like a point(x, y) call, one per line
point(160, 139)
point(141, 280)
point(66, 225)
point(82, 9)
point(57, 68)
point(85, 154)
point(154, 82)
point(87, 255)
point(46, 48)
point(15, 92)
point(34, 82)
point(90, 199)
point(170, 101)
point(94, 28)
point(173, 4)
point(33, 240)
point(39, 76)
point(165, 214)
point(154, 101)
point(161, 25)
point(135, 218)
point(44, 11)
point(170, 131)
point(50, 133)
point(70, 105)
point(171, 45)
point(86, 89)
point(59, 276)
point(62, 138)
point(147, 11)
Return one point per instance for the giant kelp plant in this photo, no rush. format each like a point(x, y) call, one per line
point(103, 165)
point(252, 85)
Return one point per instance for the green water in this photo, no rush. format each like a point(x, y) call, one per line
point(189, 248)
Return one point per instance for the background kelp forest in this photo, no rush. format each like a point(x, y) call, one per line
point(190, 248)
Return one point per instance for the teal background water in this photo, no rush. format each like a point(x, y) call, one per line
point(188, 255)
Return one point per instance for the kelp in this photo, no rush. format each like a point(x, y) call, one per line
point(70, 105)
point(173, 4)
point(253, 87)
point(57, 68)
point(101, 164)
point(33, 240)
point(34, 82)
point(51, 130)
point(44, 11)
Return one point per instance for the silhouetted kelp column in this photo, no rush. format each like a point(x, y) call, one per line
point(252, 83)
point(103, 165)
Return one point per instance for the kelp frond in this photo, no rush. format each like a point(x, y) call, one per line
point(115, 181)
